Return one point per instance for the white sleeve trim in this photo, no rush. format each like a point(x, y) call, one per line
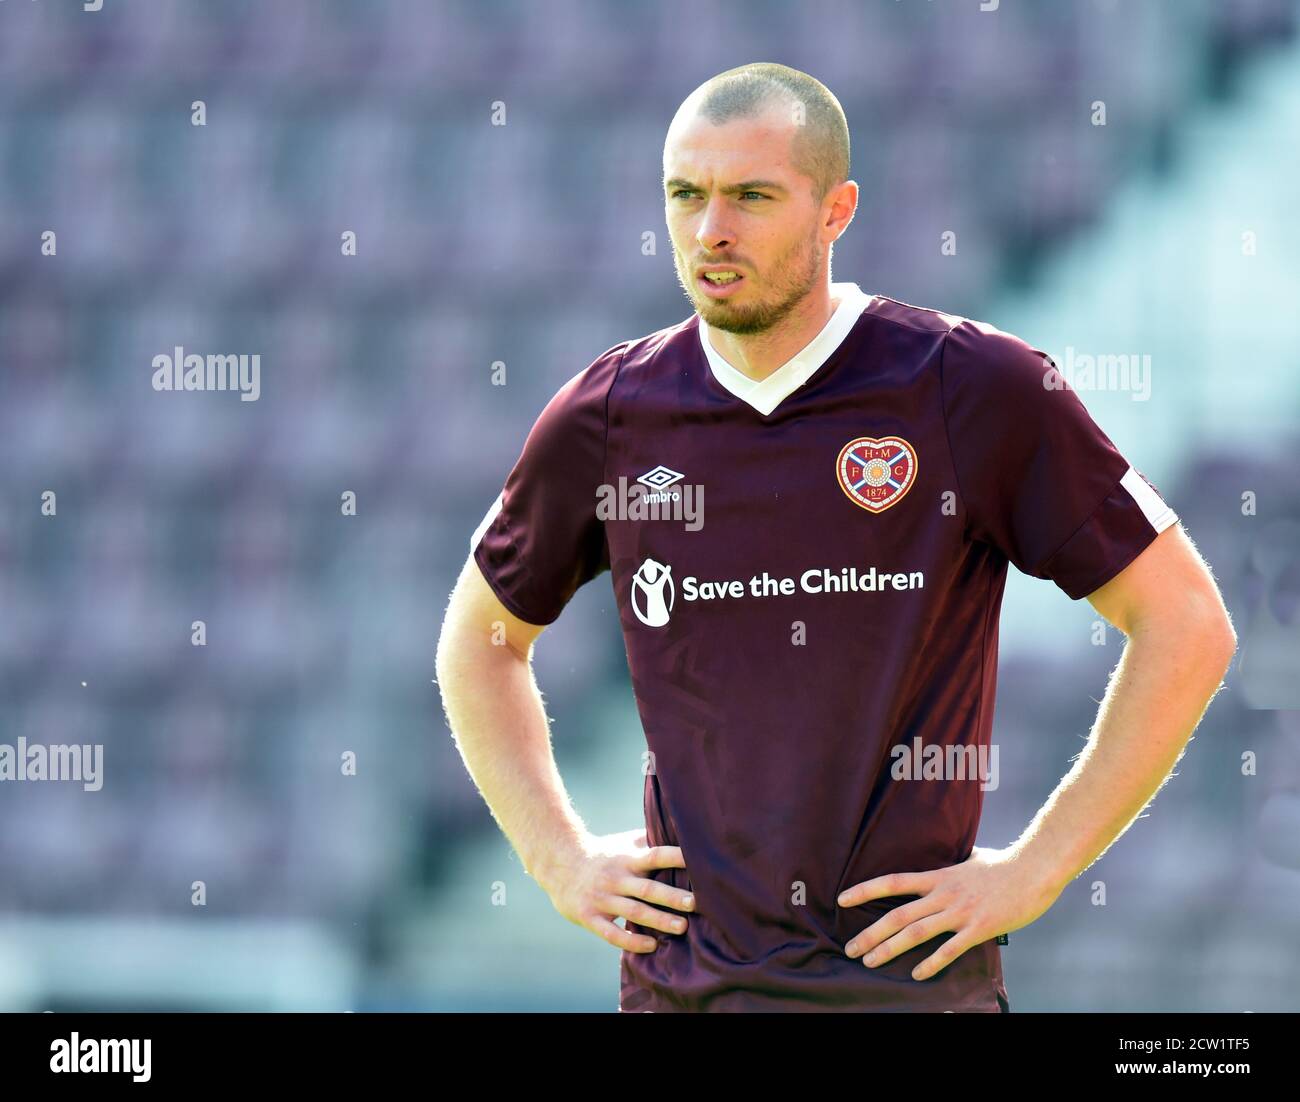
point(1159, 514)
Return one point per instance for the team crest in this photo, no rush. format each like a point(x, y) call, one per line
point(876, 473)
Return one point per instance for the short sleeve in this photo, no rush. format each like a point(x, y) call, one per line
point(1038, 478)
point(541, 539)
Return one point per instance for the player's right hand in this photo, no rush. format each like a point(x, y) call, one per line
point(606, 878)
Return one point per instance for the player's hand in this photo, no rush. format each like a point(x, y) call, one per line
point(990, 893)
point(607, 879)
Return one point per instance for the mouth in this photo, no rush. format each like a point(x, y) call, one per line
point(719, 282)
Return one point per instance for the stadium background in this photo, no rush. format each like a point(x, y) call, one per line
point(1169, 232)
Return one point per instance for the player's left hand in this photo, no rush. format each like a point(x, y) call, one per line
point(992, 892)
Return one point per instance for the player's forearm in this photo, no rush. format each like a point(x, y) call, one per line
point(1165, 679)
point(498, 723)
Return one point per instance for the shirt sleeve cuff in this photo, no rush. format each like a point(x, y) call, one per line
point(1119, 530)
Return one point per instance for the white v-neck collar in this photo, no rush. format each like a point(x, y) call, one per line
point(766, 394)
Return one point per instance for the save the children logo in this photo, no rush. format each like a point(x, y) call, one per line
point(654, 583)
point(654, 592)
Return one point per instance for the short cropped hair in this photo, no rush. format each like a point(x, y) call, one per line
point(821, 145)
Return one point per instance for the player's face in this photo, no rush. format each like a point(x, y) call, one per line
point(734, 200)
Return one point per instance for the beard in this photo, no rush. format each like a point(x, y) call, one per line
point(792, 277)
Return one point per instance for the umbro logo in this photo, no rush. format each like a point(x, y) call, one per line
point(659, 494)
point(660, 477)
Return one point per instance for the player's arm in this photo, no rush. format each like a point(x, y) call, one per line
point(1179, 646)
point(1041, 482)
point(498, 722)
point(1180, 642)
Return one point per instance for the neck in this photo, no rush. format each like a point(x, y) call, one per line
point(757, 355)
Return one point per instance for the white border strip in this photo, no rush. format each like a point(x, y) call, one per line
point(1159, 513)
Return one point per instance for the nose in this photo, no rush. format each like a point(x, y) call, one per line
point(713, 233)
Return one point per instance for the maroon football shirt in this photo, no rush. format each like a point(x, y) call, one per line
point(828, 608)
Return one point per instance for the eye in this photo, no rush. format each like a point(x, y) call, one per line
point(680, 192)
point(758, 194)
